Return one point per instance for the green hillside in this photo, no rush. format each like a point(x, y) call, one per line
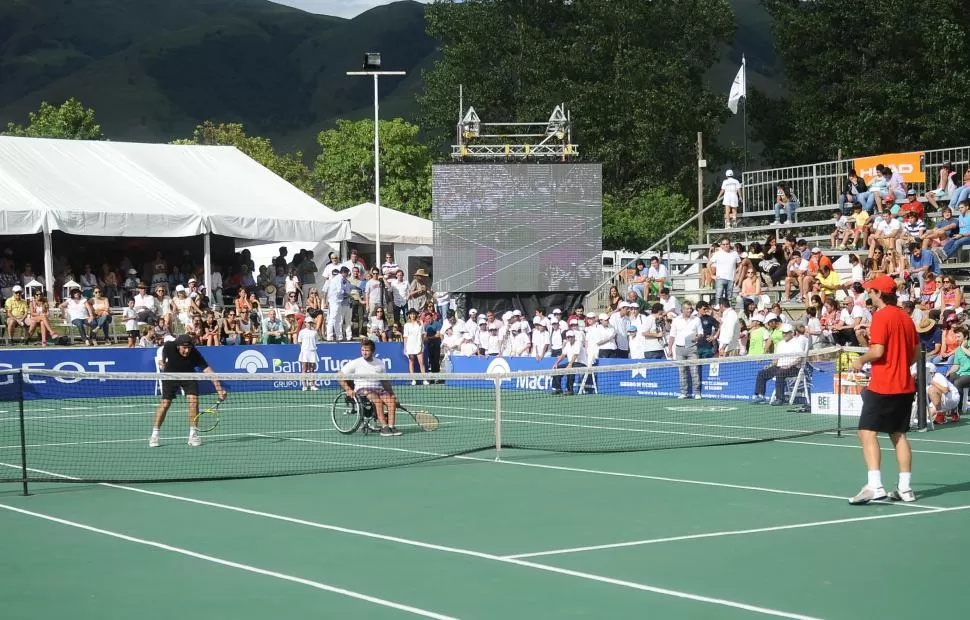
point(154, 69)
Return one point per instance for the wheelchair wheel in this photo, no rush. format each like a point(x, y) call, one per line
point(346, 414)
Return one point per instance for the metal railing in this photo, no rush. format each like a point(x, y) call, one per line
point(820, 183)
point(598, 297)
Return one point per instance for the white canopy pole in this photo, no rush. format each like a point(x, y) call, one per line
point(48, 264)
point(207, 264)
point(377, 177)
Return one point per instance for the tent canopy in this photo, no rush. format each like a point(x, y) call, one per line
point(152, 190)
point(396, 226)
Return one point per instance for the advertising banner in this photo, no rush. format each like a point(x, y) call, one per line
point(733, 381)
point(910, 165)
point(256, 359)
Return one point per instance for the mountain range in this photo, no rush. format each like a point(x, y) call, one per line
point(154, 69)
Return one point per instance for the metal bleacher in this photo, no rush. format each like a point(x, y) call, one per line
point(817, 187)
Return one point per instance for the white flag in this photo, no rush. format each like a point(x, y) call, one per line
point(739, 88)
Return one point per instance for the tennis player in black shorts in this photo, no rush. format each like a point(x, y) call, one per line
point(888, 400)
point(180, 355)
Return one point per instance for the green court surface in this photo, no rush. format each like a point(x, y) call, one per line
point(749, 530)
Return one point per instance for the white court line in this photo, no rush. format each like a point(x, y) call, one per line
point(856, 447)
point(613, 473)
point(850, 433)
point(237, 565)
point(454, 550)
point(149, 410)
point(758, 530)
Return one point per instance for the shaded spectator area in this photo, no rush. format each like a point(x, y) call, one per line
point(104, 198)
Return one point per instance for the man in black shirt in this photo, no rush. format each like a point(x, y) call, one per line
point(707, 346)
point(180, 355)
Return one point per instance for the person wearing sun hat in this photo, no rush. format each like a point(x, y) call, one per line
point(929, 334)
point(888, 399)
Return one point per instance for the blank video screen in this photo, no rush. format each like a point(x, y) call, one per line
point(517, 227)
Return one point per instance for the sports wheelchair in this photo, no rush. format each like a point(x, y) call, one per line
point(352, 413)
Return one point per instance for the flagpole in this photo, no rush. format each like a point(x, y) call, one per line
point(744, 102)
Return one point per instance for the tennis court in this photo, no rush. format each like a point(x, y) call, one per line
point(714, 532)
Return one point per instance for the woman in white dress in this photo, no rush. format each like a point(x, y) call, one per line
point(414, 343)
point(307, 337)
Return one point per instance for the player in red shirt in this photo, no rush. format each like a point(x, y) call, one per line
point(888, 401)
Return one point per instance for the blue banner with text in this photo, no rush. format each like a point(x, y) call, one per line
point(256, 359)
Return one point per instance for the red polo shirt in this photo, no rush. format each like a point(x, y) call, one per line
point(894, 329)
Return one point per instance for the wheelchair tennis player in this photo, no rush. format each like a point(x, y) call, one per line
point(367, 385)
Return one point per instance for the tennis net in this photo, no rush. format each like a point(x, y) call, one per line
point(95, 427)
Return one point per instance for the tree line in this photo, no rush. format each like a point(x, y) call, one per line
point(862, 77)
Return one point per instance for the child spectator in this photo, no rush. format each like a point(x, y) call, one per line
point(840, 234)
point(131, 322)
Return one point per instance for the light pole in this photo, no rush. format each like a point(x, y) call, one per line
point(372, 66)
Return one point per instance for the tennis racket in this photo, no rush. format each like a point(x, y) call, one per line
point(425, 419)
point(208, 418)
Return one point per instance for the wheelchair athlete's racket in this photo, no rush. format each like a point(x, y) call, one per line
point(425, 419)
point(208, 418)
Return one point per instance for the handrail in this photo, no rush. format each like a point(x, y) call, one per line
point(666, 238)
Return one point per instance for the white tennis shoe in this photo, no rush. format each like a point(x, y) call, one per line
point(195, 441)
point(153, 442)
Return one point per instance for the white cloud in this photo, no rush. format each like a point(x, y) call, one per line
point(339, 8)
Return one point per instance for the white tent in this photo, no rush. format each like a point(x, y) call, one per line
point(396, 226)
point(410, 235)
point(151, 190)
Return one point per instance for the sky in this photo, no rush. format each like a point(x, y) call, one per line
point(340, 8)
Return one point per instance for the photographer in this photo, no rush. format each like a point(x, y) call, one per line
point(654, 330)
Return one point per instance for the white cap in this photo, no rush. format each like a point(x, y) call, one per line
point(816, 250)
point(516, 313)
point(604, 317)
point(758, 317)
point(467, 336)
point(771, 316)
point(787, 328)
point(507, 316)
point(569, 333)
point(179, 288)
point(482, 320)
point(473, 311)
point(539, 321)
point(574, 321)
point(729, 173)
point(557, 311)
point(191, 280)
point(16, 288)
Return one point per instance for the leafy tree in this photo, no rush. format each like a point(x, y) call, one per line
point(289, 166)
point(71, 120)
point(345, 167)
point(635, 220)
point(630, 71)
point(892, 85)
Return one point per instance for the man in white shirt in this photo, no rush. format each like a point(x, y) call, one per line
point(652, 332)
point(656, 276)
point(367, 371)
point(731, 191)
point(469, 348)
point(669, 302)
point(573, 356)
point(727, 335)
point(540, 338)
point(725, 261)
point(521, 346)
point(602, 338)
point(684, 332)
point(784, 368)
point(885, 231)
point(619, 321)
point(338, 299)
point(354, 261)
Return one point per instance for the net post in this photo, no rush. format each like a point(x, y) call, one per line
point(23, 431)
point(498, 419)
point(921, 390)
point(837, 382)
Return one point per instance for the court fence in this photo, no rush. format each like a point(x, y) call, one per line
point(60, 426)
